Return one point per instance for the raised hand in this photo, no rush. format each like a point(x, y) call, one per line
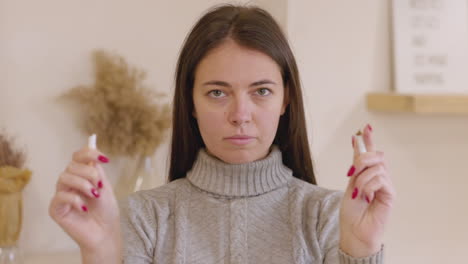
point(85, 207)
point(368, 201)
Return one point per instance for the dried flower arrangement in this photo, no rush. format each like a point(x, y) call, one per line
point(121, 109)
point(13, 178)
point(9, 156)
point(128, 118)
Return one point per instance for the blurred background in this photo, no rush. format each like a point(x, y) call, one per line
point(344, 51)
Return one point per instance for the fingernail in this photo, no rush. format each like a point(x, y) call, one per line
point(367, 199)
point(355, 193)
point(95, 193)
point(351, 171)
point(370, 127)
point(84, 208)
point(103, 159)
point(99, 185)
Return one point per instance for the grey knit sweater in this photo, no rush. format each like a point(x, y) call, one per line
point(235, 214)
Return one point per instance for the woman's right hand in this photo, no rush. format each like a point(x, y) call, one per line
point(85, 207)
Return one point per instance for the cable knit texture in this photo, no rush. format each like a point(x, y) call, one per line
point(235, 214)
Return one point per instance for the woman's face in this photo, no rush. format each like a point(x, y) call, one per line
point(238, 96)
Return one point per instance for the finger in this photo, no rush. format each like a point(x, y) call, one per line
point(103, 177)
point(368, 140)
point(368, 175)
point(382, 154)
point(69, 181)
point(63, 202)
point(373, 186)
point(352, 169)
point(366, 160)
point(90, 173)
point(87, 155)
point(384, 163)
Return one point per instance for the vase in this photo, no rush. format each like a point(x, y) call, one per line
point(132, 175)
point(12, 182)
point(11, 255)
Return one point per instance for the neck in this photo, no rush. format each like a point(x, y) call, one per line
point(239, 180)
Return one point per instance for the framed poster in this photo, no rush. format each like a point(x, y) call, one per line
point(430, 45)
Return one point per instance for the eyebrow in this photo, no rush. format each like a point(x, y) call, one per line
point(225, 84)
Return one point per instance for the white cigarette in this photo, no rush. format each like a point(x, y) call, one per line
point(360, 142)
point(92, 141)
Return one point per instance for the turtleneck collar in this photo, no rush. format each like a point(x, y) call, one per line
point(239, 180)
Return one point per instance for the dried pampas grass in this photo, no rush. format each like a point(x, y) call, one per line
point(8, 155)
point(125, 115)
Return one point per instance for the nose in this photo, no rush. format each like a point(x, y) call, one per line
point(240, 112)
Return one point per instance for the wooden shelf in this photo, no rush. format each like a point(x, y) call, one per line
point(418, 103)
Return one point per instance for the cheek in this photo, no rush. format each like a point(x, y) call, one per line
point(209, 122)
point(267, 122)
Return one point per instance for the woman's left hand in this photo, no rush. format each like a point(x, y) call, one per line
point(368, 201)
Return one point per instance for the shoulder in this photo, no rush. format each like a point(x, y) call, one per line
point(314, 197)
point(319, 210)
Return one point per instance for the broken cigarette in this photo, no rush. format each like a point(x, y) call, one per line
point(360, 142)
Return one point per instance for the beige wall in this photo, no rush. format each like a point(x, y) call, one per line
point(44, 50)
point(343, 51)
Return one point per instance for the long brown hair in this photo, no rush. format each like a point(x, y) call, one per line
point(254, 28)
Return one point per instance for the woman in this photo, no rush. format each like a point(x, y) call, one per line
point(242, 187)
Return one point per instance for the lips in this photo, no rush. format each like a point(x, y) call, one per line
point(240, 139)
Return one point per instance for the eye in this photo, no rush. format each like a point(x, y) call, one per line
point(263, 91)
point(216, 93)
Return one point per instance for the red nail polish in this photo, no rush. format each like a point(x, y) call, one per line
point(355, 193)
point(351, 171)
point(367, 199)
point(84, 208)
point(95, 193)
point(99, 185)
point(103, 159)
point(370, 128)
